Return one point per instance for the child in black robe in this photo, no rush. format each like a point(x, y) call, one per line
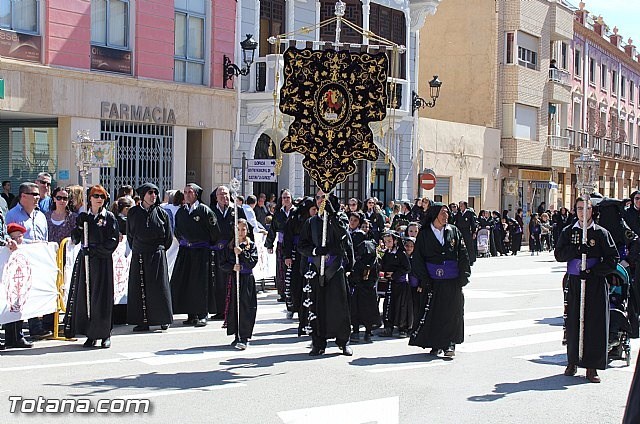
point(398, 305)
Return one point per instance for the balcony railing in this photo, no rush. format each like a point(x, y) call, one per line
point(617, 149)
point(626, 151)
point(559, 142)
point(578, 140)
point(636, 153)
point(559, 76)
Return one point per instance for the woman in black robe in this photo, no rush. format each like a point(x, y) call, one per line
point(398, 304)
point(248, 258)
point(149, 236)
point(441, 263)
point(602, 259)
point(96, 322)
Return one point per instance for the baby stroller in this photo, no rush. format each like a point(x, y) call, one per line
point(619, 326)
point(482, 238)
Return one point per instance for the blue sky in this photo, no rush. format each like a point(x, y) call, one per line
point(625, 14)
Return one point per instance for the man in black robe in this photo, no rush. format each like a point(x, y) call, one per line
point(602, 259)
point(149, 236)
point(327, 304)
point(284, 210)
point(467, 223)
point(441, 263)
point(225, 215)
point(193, 277)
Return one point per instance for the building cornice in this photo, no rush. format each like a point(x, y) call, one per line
point(605, 46)
point(420, 9)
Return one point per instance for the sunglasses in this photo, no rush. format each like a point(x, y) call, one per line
point(47, 183)
point(99, 196)
point(353, 204)
point(33, 194)
point(152, 192)
point(62, 198)
point(320, 197)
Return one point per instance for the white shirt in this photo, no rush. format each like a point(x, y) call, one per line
point(439, 233)
point(251, 217)
point(192, 207)
point(578, 225)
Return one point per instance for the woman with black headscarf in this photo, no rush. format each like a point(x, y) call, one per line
point(149, 235)
point(441, 263)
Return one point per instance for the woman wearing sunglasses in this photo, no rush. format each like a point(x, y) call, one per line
point(93, 318)
point(60, 219)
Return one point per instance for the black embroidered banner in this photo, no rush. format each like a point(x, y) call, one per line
point(333, 97)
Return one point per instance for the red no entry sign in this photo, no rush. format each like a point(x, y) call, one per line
point(427, 180)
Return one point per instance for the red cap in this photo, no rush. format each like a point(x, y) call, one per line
point(13, 227)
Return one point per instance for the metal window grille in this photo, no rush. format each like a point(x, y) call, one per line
point(144, 154)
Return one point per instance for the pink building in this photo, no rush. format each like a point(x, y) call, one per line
point(147, 74)
point(605, 110)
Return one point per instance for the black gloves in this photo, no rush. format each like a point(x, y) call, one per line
point(582, 249)
point(585, 274)
point(321, 251)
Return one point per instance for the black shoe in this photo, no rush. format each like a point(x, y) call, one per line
point(316, 352)
point(216, 317)
point(106, 343)
point(242, 344)
point(164, 327)
point(435, 351)
point(403, 334)
point(21, 343)
point(282, 299)
point(346, 350)
point(571, 370)
point(387, 332)
point(140, 328)
point(190, 321)
point(450, 352)
point(89, 343)
point(201, 322)
point(234, 343)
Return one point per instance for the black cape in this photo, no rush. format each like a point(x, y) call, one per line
point(248, 296)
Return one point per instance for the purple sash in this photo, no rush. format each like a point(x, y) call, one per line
point(327, 262)
point(280, 237)
point(245, 269)
point(413, 281)
point(221, 244)
point(574, 265)
point(448, 270)
point(194, 245)
point(402, 279)
point(296, 239)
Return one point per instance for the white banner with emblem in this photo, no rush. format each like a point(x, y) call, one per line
point(28, 281)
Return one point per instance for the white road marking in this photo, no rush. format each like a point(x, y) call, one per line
point(492, 294)
point(379, 411)
point(557, 270)
point(158, 393)
point(503, 326)
point(505, 312)
point(554, 357)
point(408, 367)
point(63, 364)
point(507, 342)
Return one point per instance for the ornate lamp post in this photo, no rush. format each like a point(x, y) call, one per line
point(83, 146)
point(434, 92)
point(230, 69)
point(587, 166)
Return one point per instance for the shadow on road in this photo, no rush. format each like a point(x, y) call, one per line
point(545, 384)
point(157, 381)
point(391, 360)
point(555, 321)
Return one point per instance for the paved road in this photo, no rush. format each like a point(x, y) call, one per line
point(509, 370)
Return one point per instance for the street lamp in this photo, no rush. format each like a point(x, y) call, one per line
point(83, 146)
point(434, 91)
point(231, 70)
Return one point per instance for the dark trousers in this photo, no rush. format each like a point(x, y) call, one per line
point(321, 342)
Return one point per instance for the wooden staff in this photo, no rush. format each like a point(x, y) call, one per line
point(86, 266)
point(234, 185)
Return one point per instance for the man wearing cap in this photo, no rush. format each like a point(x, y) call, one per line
point(26, 214)
point(441, 264)
point(193, 277)
point(149, 236)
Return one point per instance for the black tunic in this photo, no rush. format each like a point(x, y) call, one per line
point(440, 319)
point(248, 296)
point(632, 413)
point(362, 283)
point(325, 313)
point(192, 280)
point(276, 233)
point(376, 221)
point(467, 223)
point(226, 224)
point(293, 275)
point(601, 247)
point(103, 241)
point(398, 303)
point(149, 236)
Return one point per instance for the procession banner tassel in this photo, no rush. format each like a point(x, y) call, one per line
point(60, 285)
